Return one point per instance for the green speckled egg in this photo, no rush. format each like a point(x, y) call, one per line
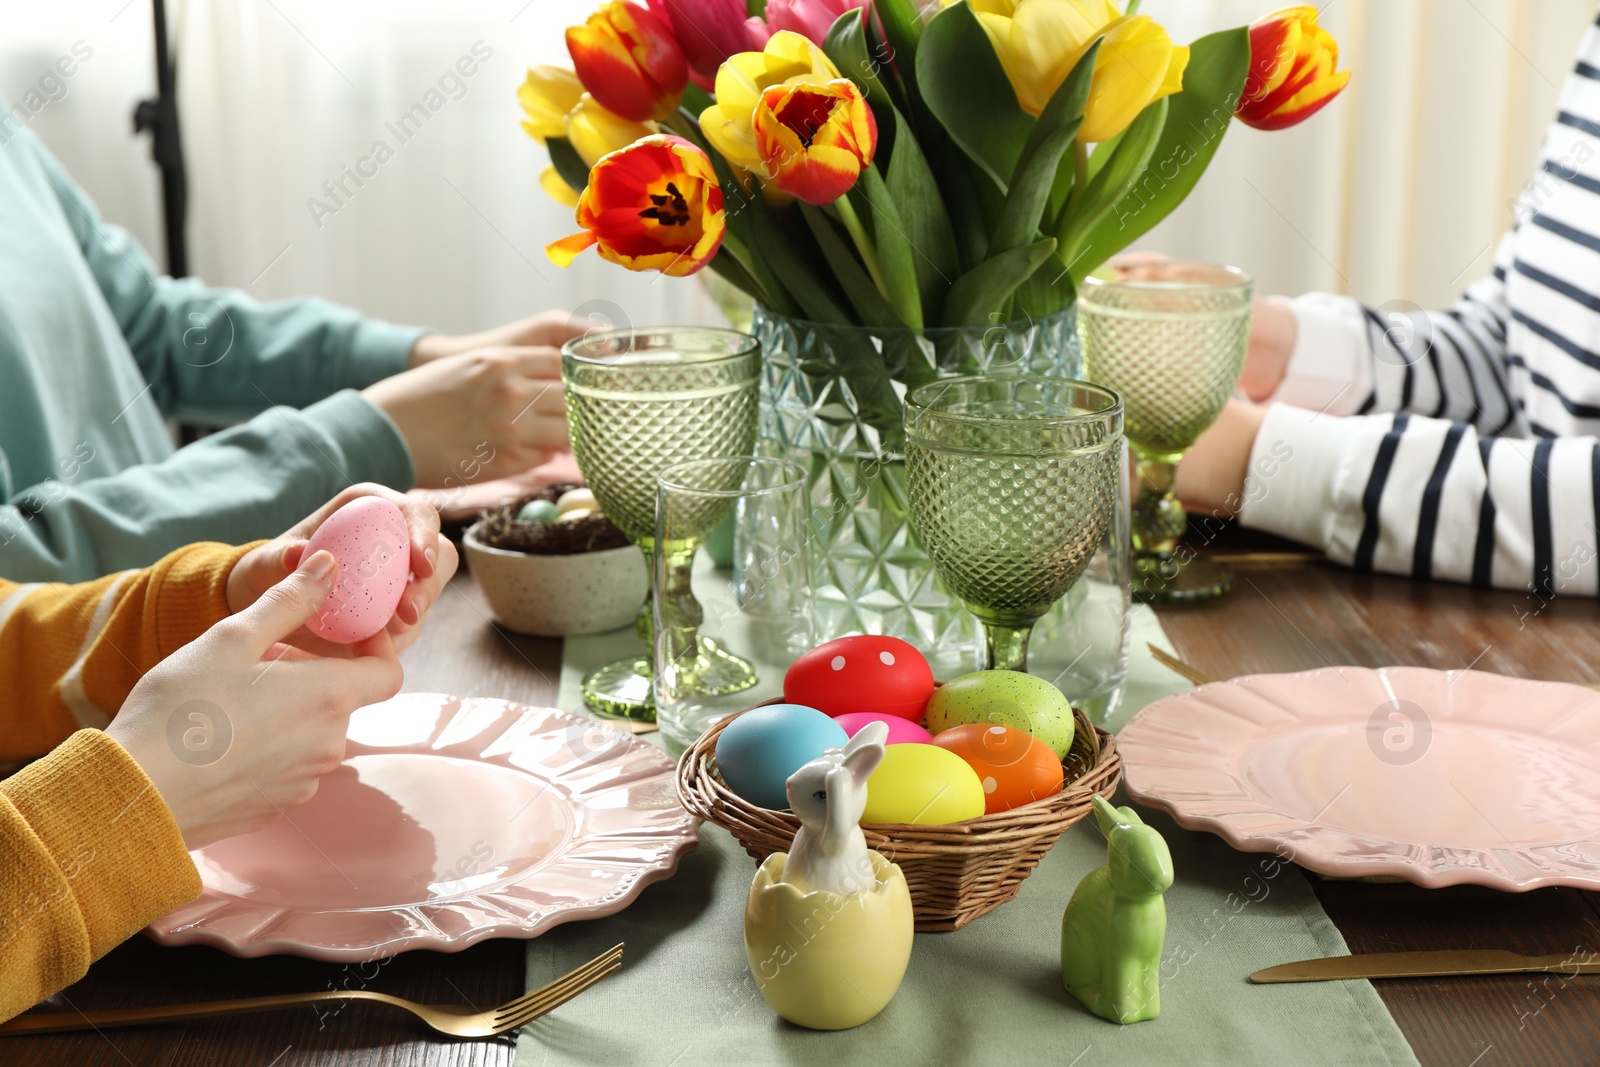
point(1006, 698)
point(538, 511)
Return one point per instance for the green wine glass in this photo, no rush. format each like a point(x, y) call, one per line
point(1170, 337)
point(639, 401)
point(1013, 481)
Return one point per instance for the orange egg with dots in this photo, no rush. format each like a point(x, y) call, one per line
point(1014, 767)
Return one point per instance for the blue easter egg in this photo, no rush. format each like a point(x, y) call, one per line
point(538, 511)
point(759, 750)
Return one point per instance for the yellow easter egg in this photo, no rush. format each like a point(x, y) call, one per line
point(922, 784)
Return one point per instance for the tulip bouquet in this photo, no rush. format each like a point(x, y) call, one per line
point(899, 163)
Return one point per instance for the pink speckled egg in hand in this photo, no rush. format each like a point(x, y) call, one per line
point(902, 731)
point(367, 538)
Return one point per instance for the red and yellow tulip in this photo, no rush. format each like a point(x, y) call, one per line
point(654, 205)
point(630, 61)
point(814, 139)
point(1292, 74)
point(729, 124)
point(1038, 43)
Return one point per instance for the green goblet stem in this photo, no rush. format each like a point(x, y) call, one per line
point(1158, 519)
point(1007, 646)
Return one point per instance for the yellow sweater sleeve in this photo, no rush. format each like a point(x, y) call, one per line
point(69, 654)
point(89, 853)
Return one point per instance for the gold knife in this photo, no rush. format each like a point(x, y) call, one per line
point(1429, 964)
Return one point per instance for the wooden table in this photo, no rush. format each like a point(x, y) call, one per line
point(1286, 613)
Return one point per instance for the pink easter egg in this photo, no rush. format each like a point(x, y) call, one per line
point(367, 538)
point(902, 731)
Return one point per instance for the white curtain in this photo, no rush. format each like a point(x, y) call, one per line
point(1396, 191)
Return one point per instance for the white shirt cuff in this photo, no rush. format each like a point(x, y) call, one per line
point(1330, 369)
point(1290, 482)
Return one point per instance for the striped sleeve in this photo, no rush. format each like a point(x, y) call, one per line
point(70, 654)
point(1351, 359)
point(1410, 494)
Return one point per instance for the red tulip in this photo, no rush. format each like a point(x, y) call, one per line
point(654, 205)
point(709, 31)
point(809, 18)
point(814, 139)
point(1292, 74)
point(629, 61)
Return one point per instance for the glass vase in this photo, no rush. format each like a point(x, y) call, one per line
point(831, 400)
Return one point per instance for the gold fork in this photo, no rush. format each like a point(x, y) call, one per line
point(446, 1019)
point(1177, 666)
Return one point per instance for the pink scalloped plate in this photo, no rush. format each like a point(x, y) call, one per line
point(451, 820)
point(1439, 778)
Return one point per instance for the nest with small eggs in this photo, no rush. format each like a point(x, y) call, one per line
point(592, 533)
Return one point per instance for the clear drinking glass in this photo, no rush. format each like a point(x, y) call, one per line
point(1013, 482)
point(1170, 338)
point(1081, 644)
point(721, 645)
point(638, 401)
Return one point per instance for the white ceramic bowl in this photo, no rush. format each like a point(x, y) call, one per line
point(557, 596)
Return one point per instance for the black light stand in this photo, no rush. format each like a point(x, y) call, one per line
point(160, 117)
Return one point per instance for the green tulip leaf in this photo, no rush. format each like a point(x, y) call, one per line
point(727, 267)
point(573, 170)
point(1040, 161)
point(1197, 119)
point(915, 194)
point(852, 275)
point(1046, 291)
point(736, 201)
point(792, 266)
point(902, 25)
point(966, 88)
point(848, 47)
point(980, 294)
point(1117, 175)
point(896, 260)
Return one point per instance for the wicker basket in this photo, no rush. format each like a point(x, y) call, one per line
point(956, 872)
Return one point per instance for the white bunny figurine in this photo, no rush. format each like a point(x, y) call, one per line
point(829, 794)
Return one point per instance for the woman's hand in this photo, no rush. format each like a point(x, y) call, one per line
point(1273, 333)
point(231, 730)
point(433, 562)
point(552, 329)
point(1211, 477)
point(482, 414)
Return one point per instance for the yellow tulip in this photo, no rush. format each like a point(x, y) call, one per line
point(788, 59)
point(595, 132)
point(556, 187)
point(546, 97)
point(1039, 41)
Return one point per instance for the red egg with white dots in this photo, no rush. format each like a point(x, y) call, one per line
point(868, 672)
point(1013, 766)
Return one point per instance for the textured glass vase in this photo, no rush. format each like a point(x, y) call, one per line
point(831, 401)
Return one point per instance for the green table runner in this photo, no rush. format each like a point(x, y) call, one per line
point(984, 994)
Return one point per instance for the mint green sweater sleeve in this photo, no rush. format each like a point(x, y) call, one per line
point(217, 355)
point(95, 349)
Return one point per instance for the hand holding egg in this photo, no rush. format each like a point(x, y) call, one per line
point(413, 554)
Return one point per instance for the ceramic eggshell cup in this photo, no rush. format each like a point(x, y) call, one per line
point(825, 961)
point(559, 596)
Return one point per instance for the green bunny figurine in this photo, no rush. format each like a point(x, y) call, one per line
point(1116, 921)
